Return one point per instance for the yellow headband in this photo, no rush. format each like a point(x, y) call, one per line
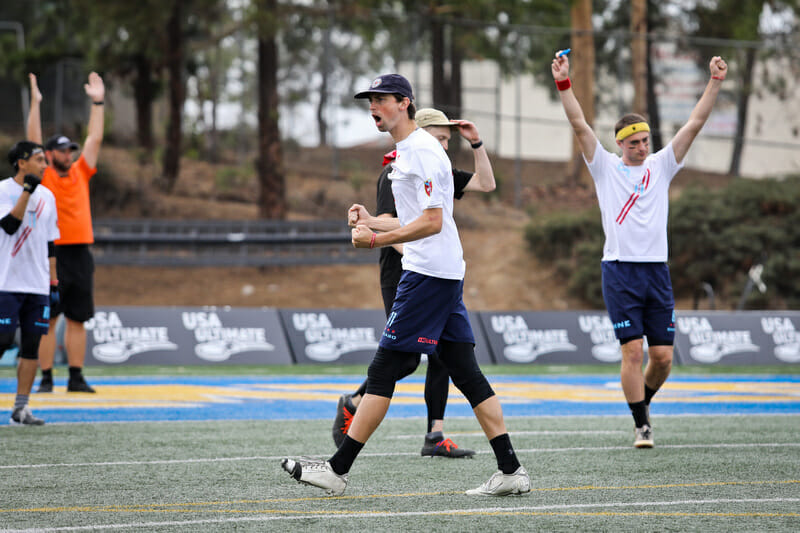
point(627, 131)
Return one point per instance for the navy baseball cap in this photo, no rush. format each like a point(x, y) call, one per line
point(22, 150)
point(388, 84)
point(59, 142)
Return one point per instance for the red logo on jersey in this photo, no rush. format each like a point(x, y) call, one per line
point(428, 187)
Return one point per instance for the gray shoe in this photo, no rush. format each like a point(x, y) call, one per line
point(501, 484)
point(643, 437)
point(316, 473)
point(23, 416)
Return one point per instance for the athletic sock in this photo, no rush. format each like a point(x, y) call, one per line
point(346, 455)
point(20, 401)
point(47, 374)
point(648, 394)
point(639, 411)
point(75, 372)
point(506, 458)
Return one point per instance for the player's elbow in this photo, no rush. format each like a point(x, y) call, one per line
point(433, 220)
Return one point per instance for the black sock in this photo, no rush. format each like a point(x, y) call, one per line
point(75, 372)
point(648, 394)
point(47, 374)
point(346, 455)
point(362, 390)
point(506, 458)
point(639, 410)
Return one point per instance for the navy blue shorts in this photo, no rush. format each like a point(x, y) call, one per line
point(425, 310)
point(639, 300)
point(31, 312)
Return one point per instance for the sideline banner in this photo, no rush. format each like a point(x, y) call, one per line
point(185, 336)
point(551, 337)
point(348, 336)
point(738, 338)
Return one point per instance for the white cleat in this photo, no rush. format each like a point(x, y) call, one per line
point(644, 437)
point(316, 473)
point(501, 484)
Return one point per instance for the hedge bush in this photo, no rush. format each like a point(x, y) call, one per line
point(715, 237)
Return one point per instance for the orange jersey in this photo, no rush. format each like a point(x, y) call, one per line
point(72, 202)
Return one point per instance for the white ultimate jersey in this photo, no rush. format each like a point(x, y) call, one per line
point(423, 178)
point(634, 204)
point(24, 265)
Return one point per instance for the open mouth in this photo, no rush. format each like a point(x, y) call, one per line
point(378, 120)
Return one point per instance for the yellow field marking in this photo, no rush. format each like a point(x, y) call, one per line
point(192, 506)
point(189, 395)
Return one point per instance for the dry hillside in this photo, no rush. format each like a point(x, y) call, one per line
point(501, 273)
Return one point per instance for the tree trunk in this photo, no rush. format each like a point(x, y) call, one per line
point(437, 64)
point(639, 55)
point(656, 141)
point(215, 65)
point(143, 96)
point(582, 58)
point(455, 104)
point(741, 110)
point(269, 164)
point(177, 92)
point(322, 125)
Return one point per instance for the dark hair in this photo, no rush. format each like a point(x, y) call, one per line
point(627, 120)
point(411, 109)
point(22, 150)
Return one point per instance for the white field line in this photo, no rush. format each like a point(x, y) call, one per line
point(519, 433)
point(391, 454)
point(379, 514)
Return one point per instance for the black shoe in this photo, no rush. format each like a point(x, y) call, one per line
point(78, 385)
point(437, 446)
point(45, 385)
point(345, 410)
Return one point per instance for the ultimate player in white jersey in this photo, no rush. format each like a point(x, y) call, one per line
point(428, 309)
point(28, 284)
point(632, 191)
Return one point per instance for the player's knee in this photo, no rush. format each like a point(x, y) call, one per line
point(29, 346)
point(465, 372)
point(387, 368)
point(660, 354)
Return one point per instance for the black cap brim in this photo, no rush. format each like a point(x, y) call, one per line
point(71, 146)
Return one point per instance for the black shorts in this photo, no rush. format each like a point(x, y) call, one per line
point(75, 268)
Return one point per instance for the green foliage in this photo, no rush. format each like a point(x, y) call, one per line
point(573, 243)
point(715, 237)
point(234, 177)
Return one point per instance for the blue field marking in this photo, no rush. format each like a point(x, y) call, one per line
point(167, 398)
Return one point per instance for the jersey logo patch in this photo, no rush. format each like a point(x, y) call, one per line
point(428, 187)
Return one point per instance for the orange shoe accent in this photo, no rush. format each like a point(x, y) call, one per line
point(348, 419)
point(447, 443)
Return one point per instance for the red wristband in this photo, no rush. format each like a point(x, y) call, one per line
point(372, 240)
point(717, 78)
point(563, 85)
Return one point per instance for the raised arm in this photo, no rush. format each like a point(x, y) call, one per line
point(586, 137)
point(33, 128)
point(483, 178)
point(96, 91)
point(685, 136)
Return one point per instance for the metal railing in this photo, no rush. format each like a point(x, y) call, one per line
point(225, 243)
